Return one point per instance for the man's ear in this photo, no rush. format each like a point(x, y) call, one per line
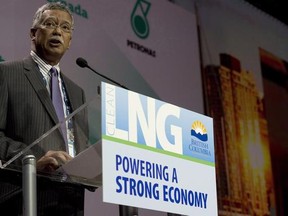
point(33, 34)
point(69, 42)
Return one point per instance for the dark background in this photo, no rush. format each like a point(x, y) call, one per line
point(276, 8)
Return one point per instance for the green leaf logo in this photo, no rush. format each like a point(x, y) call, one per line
point(139, 20)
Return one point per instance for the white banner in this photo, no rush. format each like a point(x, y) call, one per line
point(156, 155)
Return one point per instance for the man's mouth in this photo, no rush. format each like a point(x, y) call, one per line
point(55, 42)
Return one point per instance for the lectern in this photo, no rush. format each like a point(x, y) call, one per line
point(61, 192)
point(144, 152)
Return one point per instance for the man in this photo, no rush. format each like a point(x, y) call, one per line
point(27, 110)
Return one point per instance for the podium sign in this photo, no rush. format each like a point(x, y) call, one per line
point(156, 155)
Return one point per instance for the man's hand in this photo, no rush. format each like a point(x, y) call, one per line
point(52, 160)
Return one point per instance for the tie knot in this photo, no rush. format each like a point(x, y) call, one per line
point(53, 71)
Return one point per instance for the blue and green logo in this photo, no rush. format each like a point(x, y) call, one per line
point(139, 20)
point(199, 131)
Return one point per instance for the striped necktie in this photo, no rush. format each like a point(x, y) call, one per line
point(57, 100)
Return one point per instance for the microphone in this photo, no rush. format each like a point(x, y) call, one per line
point(81, 62)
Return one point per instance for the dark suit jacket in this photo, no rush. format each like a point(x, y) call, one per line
point(27, 112)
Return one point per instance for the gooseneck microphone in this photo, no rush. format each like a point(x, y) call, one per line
point(81, 62)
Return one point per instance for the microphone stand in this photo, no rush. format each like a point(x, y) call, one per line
point(83, 63)
point(113, 81)
point(123, 210)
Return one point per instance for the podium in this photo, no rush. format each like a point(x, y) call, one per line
point(151, 154)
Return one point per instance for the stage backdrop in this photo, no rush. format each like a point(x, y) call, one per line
point(244, 52)
point(150, 46)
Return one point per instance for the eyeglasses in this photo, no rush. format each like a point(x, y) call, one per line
point(50, 24)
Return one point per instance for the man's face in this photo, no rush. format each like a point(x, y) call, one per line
point(53, 37)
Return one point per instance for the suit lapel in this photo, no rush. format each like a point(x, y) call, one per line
point(35, 78)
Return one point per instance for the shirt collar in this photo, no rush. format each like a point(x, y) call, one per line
point(42, 64)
